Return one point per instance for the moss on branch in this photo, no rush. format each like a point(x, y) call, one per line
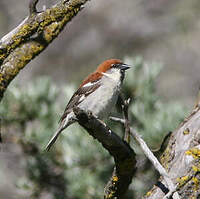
point(31, 37)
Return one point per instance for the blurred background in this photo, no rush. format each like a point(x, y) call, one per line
point(159, 37)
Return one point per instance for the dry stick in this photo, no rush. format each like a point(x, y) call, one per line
point(157, 165)
point(126, 123)
point(154, 161)
point(32, 6)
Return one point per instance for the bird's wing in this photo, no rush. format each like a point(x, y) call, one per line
point(79, 96)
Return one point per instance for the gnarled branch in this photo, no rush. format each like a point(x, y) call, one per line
point(32, 36)
point(122, 153)
point(182, 159)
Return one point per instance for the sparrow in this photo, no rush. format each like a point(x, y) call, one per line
point(98, 93)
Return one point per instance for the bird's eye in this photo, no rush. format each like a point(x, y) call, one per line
point(114, 66)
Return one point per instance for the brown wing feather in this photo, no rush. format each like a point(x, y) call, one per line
point(75, 99)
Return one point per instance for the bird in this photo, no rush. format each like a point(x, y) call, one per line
point(98, 93)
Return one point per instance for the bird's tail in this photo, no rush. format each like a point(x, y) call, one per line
point(53, 139)
point(64, 124)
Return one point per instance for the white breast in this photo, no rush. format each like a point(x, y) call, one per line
point(101, 102)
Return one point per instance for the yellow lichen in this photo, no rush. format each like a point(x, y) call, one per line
point(182, 180)
point(36, 48)
point(50, 32)
point(186, 131)
point(195, 169)
point(148, 193)
point(110, 195)
point(2, 56)
point(196, 183)
point(1, 77)
point(165, 158)
point(10, 72)
point(60, 14)
point(115, 178)
point(195, 152)
point(20, 35)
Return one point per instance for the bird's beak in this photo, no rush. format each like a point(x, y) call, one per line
point(124, 66)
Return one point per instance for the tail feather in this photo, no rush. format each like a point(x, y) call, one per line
point(63, 125)
point(53, 139)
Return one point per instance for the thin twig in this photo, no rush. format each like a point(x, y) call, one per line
point(127, 123)
point(154, 161)
point(32, 6)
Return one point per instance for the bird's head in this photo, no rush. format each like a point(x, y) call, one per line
point(113, 66)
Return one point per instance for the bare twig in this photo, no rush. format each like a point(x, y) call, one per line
point(122, 153)
point(153, 159)
point(127, 123)
point(32, 6)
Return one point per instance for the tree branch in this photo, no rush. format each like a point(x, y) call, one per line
point(32, 36)
point(182, 159)
point(153, 159)
point(125, 106)
point(122, 153)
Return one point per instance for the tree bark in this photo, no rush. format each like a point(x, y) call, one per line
point(32, 36)
point(182, 160)
point(122, 153)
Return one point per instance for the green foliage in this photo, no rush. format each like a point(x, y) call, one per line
point(34, 104)
point(78, 166)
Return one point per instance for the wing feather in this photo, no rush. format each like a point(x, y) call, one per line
point(79, 96)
